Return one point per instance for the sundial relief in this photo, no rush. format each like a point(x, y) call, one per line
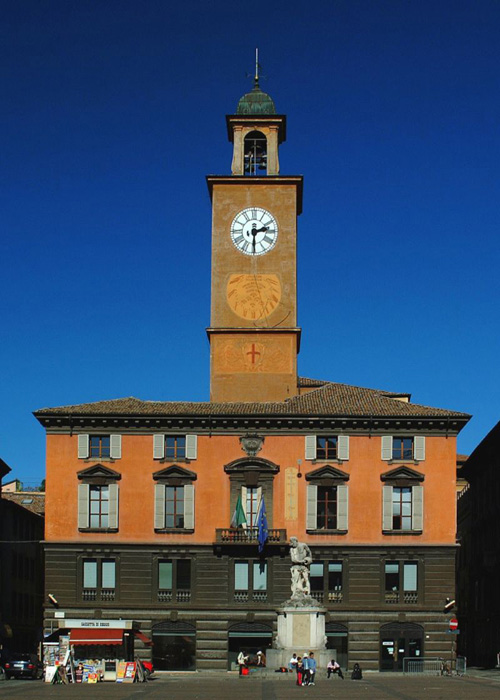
point(253, 297)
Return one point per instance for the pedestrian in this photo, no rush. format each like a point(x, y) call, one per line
point(334, 667)
point(242, 661)
point(311, 668)
point(292, 664)
point(299, 669)
point(261, 659)
point(305, 673)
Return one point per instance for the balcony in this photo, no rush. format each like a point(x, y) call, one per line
point(179, 596)
point(407, 597)
point(229, 535)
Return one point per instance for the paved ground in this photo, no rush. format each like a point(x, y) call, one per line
point(228, 687)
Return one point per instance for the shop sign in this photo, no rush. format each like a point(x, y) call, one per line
point(97, 624)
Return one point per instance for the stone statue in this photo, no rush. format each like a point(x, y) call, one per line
point(301, 557)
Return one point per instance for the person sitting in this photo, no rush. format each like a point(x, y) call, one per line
point(334, 667)
point(357, 673)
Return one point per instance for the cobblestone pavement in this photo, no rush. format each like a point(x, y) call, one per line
point(228, 687)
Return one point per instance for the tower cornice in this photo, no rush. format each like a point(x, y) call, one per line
point(297, 180)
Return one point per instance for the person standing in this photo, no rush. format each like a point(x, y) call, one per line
point(299, 669)
point(311, 671)
point(242, 661)
point(305, 664)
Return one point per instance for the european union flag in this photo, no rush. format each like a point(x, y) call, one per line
point(263, 531)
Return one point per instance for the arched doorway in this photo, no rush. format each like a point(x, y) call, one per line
point(174, 646)
point(336, 640)
point(397, 641)
point(250, 637)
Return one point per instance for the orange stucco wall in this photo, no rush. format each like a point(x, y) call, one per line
point(212, 508)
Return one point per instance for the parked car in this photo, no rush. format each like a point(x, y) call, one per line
point(23, 666)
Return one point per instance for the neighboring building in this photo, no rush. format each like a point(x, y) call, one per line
point(12, 486)
point(461, 481)
point(479, 554)
point(141, 494)
point(21, 570)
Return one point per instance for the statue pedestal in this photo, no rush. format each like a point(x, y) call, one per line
point(301, 628)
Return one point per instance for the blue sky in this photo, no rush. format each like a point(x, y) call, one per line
point(113, 113)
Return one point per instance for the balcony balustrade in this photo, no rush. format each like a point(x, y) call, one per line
point(249, 535)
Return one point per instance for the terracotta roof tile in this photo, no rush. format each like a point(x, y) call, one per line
point(330, 399)
point(31, 500)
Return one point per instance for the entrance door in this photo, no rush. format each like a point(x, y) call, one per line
point(398, 641)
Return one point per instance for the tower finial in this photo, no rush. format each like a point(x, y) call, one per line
point(256, 79)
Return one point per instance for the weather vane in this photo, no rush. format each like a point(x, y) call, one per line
point(257, 67)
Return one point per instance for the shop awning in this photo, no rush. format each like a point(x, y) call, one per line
point(96, 636)
point(143, 638)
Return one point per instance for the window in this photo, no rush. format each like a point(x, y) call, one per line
point(403, 508)
point(174, 506)
point(251, 506)
point(250, 581)
point(99, 506)
point(327, 587)
point(98, 502)
point(98, 579)
point(327, 507)
point(99, 447)
point(327, 447)
point(174, 580)
point(403, 448)
point(401, 582)
point(175, 448)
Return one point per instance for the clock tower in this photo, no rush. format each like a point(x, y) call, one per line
point(253, 333)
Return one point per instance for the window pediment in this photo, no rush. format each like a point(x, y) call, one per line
point(251, 464)
point(99, 471)
point(175, 472)
point(327, 473)
point(402, 474)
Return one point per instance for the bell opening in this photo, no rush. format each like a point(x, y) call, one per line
point(255, 153)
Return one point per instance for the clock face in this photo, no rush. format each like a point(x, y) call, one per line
point(254, 231)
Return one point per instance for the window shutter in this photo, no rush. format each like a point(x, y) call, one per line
point(189, 506)
point(83, 504)
point(312, 507)
point(115, 444)
point(310, 446)
point(191, 446)
point(343, 447)
point(159, 505)
point(419, 447)
point(417, 507)
point(113, 507)
point(83, 446)
point(387, 508)
point(158, 446)
point(342, 507)
point(386, 447)
point(244, 500)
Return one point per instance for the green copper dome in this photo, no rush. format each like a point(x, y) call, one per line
point(256, 102)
